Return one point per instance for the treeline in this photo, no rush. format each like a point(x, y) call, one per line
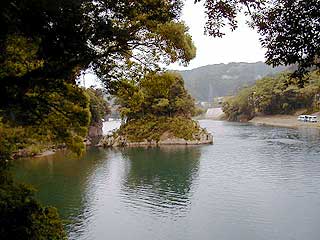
point(280, 94)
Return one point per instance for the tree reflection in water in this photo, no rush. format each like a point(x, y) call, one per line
point(160, 178)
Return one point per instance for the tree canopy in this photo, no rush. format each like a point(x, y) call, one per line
point(156, 94)
point(45, 45)
point(104, 34)
point(99, 107)
point(289, 29)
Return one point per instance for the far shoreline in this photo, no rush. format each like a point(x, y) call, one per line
point(287, 121)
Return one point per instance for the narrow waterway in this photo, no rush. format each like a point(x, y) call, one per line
point(254, 183)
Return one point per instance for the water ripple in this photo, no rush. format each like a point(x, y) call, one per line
point(255, 182)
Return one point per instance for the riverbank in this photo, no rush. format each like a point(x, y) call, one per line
point(37, 151)
point(289, 121)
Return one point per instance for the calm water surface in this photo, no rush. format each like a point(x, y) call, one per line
point(253, 183)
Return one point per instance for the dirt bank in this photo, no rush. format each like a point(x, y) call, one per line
point(289, 121)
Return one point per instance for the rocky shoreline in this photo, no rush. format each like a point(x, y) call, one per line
point(113, 140)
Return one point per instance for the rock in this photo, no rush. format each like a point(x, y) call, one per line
point(87, 141)
point(96, 130)
point(214, 113)
point(167, 138)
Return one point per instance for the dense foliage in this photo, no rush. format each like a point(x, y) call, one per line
point(56, 110)
point(99, 107)
point(152, 128)
point(156, 95)
point(21, 215)
point(155, 105)
point(275, 95)
point(289, 29)
point(105, 35)
point(45, 45)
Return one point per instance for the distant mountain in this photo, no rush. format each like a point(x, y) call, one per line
point(205, 83)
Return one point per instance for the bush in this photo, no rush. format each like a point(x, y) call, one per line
point(22, 217)
point(152, 128)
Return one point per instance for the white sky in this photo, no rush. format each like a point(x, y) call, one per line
point(242, 45)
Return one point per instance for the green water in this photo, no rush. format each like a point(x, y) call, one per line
point(253, 183)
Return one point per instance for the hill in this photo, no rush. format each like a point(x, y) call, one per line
point(205, 83)
point(280, 94)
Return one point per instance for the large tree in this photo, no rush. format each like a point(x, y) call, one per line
point(289, 29)
point(157, 106)
point(45, 45)
point(157, 95)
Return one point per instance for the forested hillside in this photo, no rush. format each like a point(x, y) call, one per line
point(280, 94)
point(210, 81)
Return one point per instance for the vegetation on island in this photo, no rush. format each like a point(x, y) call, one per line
point(152, 128)
point(155, 105)
point(280, 94)
point(99, 107)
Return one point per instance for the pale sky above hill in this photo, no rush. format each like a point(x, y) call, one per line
point(242, 45)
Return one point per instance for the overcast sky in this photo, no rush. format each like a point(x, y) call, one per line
point(242, 45)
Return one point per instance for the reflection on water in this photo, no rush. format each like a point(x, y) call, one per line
point(255, 182)
point(62, 181)
point(160, 178)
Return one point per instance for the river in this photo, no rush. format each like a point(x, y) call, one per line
point(254, 183)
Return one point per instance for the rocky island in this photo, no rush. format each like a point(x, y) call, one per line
point(124, 138)
point(156, 111)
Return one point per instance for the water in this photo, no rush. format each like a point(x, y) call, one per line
point(253, 183)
